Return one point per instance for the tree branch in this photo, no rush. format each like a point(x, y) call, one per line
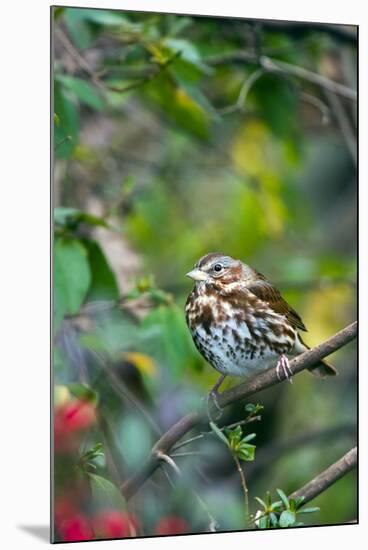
point(300, 72)
point(253, 385)
point(154, 70)
point(326, 478)
point(303, 361)
point(349, 134)
point(271, 65)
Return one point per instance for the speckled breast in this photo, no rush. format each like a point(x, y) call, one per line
point(237, 340)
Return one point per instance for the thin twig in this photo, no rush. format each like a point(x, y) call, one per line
point(168, 460)
point(254, 385)
point(343, 121)
point(60, 143)
point(319, 104)
point(203, 434)
point(81, 61)
point(188, 453)
point(239, 105)
point(112, 455)
point(324, 480)
point(329, 476)
point(244, 486)
point(96, 76)
point(122, 391)
point(278, 66)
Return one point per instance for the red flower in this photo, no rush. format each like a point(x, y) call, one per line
point(112, 524)
point(76, 528)
point(65, 508)
point(70, 419)
point(172, 525)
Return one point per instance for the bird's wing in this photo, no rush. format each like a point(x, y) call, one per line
point(264, 290)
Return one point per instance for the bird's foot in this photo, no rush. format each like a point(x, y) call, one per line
point(283, 366)
point(212, 404)
point(211, 399)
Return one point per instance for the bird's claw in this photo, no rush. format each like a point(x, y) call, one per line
point(284, 366)
point(211, 402)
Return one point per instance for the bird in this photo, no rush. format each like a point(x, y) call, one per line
point(241, 324)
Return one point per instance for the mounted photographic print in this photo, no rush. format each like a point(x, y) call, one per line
point(204, 274)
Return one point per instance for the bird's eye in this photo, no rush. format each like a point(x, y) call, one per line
point(217, 268)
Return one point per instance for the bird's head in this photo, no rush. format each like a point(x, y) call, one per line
point(220, 269)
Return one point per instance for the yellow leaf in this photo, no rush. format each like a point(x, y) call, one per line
point(250, 151)
point(326, 311)
point(144, 363)
point(61, 395)
point(186, 102)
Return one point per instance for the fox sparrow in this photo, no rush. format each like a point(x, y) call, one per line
point(239, 321)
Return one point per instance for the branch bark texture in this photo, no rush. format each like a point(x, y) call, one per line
point(326, 478)
point(254, 385)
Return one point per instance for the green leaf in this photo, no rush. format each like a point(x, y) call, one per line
point(178, 105)
point(248, 437)
point(83, 90)
point(234, 435)
point(263, 522)
point(178, 24)
point(72, 277)
point(273, 519)
point(188, 52)
point(246, 452)
point(105, 493)
point(287, 518)
point(101, 17)
point(95, 451)
point(299, 501)
point(261, 502)
point(67, 130)
point(71, 217)
point(83, 392)
point(283, 497)
point(79, 30)
point(277, 505)
point(219, 433)
point(253, 409)
point(103, 281)
point(308, 510)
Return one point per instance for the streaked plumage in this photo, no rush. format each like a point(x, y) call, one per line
point(239, 322)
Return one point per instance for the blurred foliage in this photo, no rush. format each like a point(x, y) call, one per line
point(154, 167)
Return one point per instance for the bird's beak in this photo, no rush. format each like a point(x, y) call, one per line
point(197, 275)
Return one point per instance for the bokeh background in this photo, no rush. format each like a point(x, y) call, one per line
point(175, 136)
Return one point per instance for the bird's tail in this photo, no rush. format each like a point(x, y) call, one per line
point(322, 368)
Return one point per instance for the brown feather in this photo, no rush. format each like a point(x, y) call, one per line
point(322, 368)
point(264, 290)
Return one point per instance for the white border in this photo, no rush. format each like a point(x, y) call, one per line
point(24, 284)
